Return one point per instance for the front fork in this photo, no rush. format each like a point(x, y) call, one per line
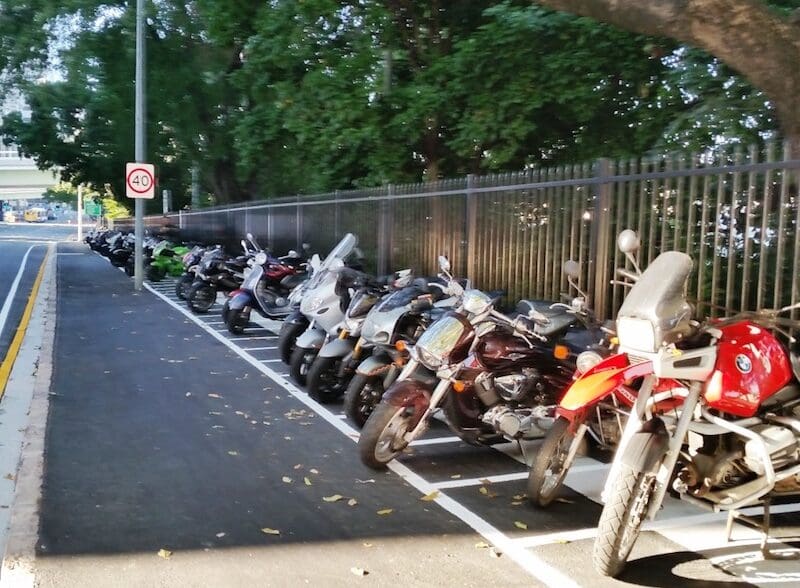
point(422, 425)
point(641, 413)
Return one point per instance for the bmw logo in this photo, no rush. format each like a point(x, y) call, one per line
point(743, 364)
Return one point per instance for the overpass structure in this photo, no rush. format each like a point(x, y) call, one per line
point(20, 178)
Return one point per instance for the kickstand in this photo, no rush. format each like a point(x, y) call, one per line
point(522, 452)
point(763, 526)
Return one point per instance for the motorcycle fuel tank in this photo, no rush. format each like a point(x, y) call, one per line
point(499, 351)
point(752, 365)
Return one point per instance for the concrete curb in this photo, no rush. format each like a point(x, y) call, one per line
point(20, 553)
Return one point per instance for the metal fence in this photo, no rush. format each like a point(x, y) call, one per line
point(735, 213)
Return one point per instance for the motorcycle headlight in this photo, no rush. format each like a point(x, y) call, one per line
point(636, 334)
point(587, 360)
point(353, 324)
point(475, 301)
point(436, 345)
point(261, 258)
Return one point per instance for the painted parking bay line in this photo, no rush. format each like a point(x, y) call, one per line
point(530, 562)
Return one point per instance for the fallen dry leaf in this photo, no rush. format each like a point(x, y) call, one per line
point(367, 544)
point(307, 481)
point(352, 502)
point(359, 571)
point(516, 502)
point(268, 531)
point(485, 481)
point(385, 511)
point(455, 476)
point(520, 496)
point(430, 496)
point(314, 471)
point(483, 490)
point(494, 553)
point(565, 500)
point(562, 541)
point(233, 453)
point(286, 479)
point(370, 481)
point(165, 553)
point(333, 498)
point(298, 466)
point(482, 545)
point(212, 395)
point(220, 535)
point(520, 525)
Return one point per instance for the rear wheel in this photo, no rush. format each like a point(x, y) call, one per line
point(381, 438)
point(287, 337)
point(362, 396)
point(201, 297)
point(621, 520)
point(323, 383)
point(552, 463)
point(182, 285)
point(300, 363)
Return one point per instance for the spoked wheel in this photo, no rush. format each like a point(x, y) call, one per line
point(323, 383)
point(362, 396)
point(286, 339)
point(552, 463)
point(621, 520)
point(300, 363)
point(381, 438)
point(183, 285)
point(201, 297)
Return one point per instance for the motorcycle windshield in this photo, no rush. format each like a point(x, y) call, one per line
point(656, 305)
point(361, 304)
point(334, 259)
point(397, 299)
point(444, 342)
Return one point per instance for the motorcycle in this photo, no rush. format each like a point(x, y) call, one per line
point(215, 272)
point(167, 259)
point(323, 306)
point(333, 366)
point(265, 288)
point(190, 260)
point(505, 385)
point(389, 328)
point(727, 438)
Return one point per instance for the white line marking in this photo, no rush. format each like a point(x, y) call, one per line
point(258, 348)
point(271, 360)
point(242, 338)
point(532, 564)
point(557, 537)
point(434, 441)
point(213, 322)
point(481, 481)
point(13, 290)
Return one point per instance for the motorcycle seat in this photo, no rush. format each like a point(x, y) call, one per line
point(557, 319)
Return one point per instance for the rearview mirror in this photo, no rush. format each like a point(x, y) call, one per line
point(444, 263)
point(572, 269)
point(249, 236)
point(628, 241)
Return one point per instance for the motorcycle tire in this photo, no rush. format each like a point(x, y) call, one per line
point(129, 269)
point(236, 321)
point(287, 337)
point(621, 520)
point(201, 297)
point(155, 273)
point(300, 363)
point(182, 285)
point(362, 396)
point(550, 466)
point(386, 424)
point(323, 383)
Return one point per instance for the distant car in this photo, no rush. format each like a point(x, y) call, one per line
point(9, 216)
point(35, 215)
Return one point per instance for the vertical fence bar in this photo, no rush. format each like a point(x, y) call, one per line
point(701, 264)
point(766, 208)
point(716, 247)
point(692, 210)
point(782, 214)
point(733, 224)
point(747, 255)
point(471, 226)
point(601, 225)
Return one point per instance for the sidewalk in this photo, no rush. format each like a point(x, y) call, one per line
point(160, 438)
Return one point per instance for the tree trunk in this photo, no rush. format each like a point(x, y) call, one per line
point(745, 34)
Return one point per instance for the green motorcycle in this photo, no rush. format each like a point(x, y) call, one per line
point(167, 259)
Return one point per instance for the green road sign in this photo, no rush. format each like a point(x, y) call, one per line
point(92, 208)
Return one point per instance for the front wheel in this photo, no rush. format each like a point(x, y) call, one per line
point(552, 463)
point(287, 337)
point(300, 363)
point(201, 297)
point(235, 319)
point(621, 520)
point(323, 383)
point(382, 438)
point(155, 273)
point(362, 396)
point(183, 285)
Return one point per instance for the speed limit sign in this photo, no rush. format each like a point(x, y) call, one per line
point(140, 180)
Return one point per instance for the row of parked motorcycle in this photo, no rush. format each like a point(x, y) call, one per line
point(705, 410)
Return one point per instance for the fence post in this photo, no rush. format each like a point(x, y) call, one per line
point(599, 240)
point(384, 233)
point(471, 228)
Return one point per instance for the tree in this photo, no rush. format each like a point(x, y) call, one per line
point(760, 40)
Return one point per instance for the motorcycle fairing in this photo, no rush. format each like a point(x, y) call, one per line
point(374, 365)
point(409, 393)
point(337, 348)
point(600, 381)
point(240, 299)
point(310, 339)
point(296, 318)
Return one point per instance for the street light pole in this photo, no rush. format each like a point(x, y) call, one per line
point(80, 213)
point(139, 146)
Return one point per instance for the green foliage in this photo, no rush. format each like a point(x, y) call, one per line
point(290, 96)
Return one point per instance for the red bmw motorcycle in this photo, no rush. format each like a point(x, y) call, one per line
point(728, 437)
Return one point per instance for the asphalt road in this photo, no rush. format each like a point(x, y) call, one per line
point(166, 432)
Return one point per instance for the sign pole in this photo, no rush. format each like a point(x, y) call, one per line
point(139, 147)
point(80, 213)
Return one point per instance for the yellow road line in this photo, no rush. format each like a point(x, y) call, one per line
point(16, 342)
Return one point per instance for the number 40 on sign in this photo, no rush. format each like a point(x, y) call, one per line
point(140, 180)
